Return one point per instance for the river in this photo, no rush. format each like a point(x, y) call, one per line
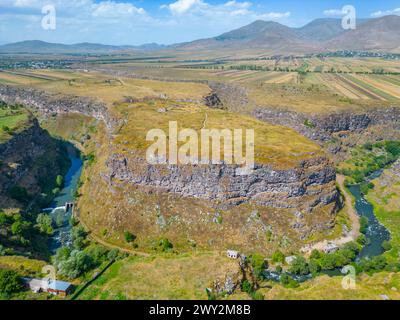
point(376, 233)
point(62, 233)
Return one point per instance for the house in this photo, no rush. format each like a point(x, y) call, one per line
point(55, 287)
point(232, 254)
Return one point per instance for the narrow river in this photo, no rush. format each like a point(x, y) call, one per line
point(376, 234)
point(62, 233)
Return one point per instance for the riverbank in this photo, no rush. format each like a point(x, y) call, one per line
point(352, 235)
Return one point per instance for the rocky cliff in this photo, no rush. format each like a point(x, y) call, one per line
point(48, 103)
point(29, 164)
point(310, 184)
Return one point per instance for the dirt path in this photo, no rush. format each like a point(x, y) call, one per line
point(111, 246)
point(354, 218)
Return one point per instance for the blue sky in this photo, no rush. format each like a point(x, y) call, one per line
point(164, 21)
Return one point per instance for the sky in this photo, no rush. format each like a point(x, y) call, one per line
point(133, 22)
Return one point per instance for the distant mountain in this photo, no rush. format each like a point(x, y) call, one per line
point(258, 35)
point(42, 47)
point(320, 35)
point(377, 34)
point(324, 29)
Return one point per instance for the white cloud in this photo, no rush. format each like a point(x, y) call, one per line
point(385, 13)
point(114, 9)
point(182, 6)
point(121, 22)
point(334, 12)
point(276, 15)
point(232, 8)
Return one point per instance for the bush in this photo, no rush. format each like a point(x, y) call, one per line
point(10, 282)
point(246, 286)
point(113, 254)
point(299, 266)
point(74, 264)
point(362, 240)
point(314, 267)
point(278, 257)
point(165, 244)
point(315, 254)
point(363, 225)
point(288, 282)
point(78, 236)
point(59, 181)
point(19, 193)
point(256, 295)
point(45, 223)
point(129, 237)
point(386, 245)
point(258, 263)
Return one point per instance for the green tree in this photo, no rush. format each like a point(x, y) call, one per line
point(45, 223)
point(299, 266)
point(78, 236)
point(75, 265)
point(129, 236)
point(10, 282)
point(278, 257)
point(386, 245)
point(315, 254)
point(288, 282)
point(59, 181)
point(165, 244)
point(258, 263)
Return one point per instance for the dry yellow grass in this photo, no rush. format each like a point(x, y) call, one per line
point(327, 288)
point(168, 277)
point(276, 145)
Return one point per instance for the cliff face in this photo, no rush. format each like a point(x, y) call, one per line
point(50, 103)
point(30, 161)
point(321, 127)
point(207, 206)
point(310, 184)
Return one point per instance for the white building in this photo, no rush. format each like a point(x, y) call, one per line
point(232, 254)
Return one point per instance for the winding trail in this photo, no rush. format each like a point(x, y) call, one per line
point(109, 245)
point(354, 218)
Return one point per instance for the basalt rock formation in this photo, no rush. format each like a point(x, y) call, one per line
point(309, 185)
point(30, 162)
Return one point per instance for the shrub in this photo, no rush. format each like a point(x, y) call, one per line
point(256, 295)
point(19, 193)
point(165, 244)
point(363, 225)
point(59, 181)
point(246, 286)
point(278, 257)
point(315, 254)
point(129, 237)
point(299, 266)
point(45, 223)
point(258, 263)
point(288, 282)
point(386, 245)
point(10, 282)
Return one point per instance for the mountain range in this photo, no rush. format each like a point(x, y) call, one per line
point(381, 34)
